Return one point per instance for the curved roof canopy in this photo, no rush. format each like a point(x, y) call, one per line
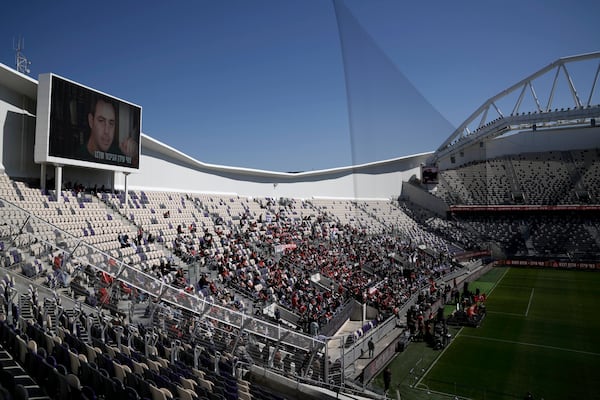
point(490, 121)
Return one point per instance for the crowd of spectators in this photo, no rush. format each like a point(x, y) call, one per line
point(565, 235)
point(309, 261)
point(309, 266)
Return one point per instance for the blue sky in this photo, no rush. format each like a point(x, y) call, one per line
point(261, 84)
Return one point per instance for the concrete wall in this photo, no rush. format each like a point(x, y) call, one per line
point(161, 172)
point(17, 121)
point(418, 195)
point(546, 140)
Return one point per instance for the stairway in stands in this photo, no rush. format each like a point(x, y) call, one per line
point(26, 306)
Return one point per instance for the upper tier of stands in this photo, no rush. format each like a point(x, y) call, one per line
point(551, 178)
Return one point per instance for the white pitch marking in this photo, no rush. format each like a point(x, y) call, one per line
point(532, 345)
point(529, 304)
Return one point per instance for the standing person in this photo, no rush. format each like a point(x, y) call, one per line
point(387, 379)
point(277, 315)
point(371, 348)
point(61, 275)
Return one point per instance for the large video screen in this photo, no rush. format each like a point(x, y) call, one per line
point(429, 174)
point(80, 126)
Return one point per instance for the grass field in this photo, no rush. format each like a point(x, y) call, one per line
point(540, 336)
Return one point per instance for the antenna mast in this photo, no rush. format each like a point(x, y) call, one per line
point(22, 63)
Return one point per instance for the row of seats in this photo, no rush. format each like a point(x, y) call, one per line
point(543, 178)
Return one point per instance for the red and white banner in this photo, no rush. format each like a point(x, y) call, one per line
point(280, 248)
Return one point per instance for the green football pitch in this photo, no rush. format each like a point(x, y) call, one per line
point(540, 335)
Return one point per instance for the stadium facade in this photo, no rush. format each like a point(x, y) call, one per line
point(165, 168)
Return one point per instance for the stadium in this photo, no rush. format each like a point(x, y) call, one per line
point(132, 270)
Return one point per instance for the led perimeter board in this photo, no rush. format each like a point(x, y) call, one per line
point(80, 126)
